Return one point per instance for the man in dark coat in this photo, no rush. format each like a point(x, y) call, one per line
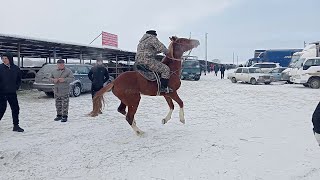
point(10, 81)
point(222, 70)
point(98, 75)
point(316, 123)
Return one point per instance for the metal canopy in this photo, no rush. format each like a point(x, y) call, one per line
point(41, 48)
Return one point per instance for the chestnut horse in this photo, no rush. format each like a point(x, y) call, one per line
point(129, 85)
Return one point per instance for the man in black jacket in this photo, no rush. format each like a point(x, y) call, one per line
point(10, 81)
point(222, 70)
point(98, 75)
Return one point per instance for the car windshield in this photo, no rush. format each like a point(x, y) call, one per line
point(295, 58)
point(255, 70)
point(299, 62)
point(48, 68)
point(191, 64)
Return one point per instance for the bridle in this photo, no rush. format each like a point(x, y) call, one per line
point(171, 50)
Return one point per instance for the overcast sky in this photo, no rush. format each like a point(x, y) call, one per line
point(238, 26)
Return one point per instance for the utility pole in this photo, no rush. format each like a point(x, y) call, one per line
point(237, 60)
point(233, 57)
point(206, 55)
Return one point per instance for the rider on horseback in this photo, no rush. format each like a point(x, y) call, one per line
point(149, 46)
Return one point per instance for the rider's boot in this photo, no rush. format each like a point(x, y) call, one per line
point(164, 86)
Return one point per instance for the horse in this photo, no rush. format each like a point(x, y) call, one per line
point(130, 85)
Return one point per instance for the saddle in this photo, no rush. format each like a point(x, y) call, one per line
point(148, 74)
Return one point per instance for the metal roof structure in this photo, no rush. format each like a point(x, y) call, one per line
point(22, 47)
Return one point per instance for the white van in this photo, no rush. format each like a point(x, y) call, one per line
point(309, 73)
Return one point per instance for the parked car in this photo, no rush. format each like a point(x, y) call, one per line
point(277, 73)
point(266, 67)
point(251, 75)
point(80, 84)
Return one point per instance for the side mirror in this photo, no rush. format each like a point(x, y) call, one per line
point(305, 67)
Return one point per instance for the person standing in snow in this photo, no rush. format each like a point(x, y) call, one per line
point(10, 81)
point(222, 70)
point(316, 123)
point(61, 78)
point(98, 76)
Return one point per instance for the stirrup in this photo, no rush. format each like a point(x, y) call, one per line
point(166, 90)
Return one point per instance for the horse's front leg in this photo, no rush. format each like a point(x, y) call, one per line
point(176, 98)
point(171, 106)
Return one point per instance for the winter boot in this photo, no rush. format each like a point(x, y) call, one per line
point(317, 136)
point(164, 86)
point(64, 119)
point(17, 128)
point(58, 118)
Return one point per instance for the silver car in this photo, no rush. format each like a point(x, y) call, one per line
point(80, 84)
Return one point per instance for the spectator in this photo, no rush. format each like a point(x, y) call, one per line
point(62, 77)
point(10, 81)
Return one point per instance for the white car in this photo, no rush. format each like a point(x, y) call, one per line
point(250, 75)
point(266, 66)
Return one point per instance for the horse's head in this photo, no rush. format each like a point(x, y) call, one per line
point(180, 45)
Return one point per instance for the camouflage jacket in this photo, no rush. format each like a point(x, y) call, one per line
point(62, 88)
point(149, 46)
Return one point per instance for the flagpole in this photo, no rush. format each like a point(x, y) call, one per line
point(96, 38)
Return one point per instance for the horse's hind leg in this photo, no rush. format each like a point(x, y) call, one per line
point(176, 98)
point(122, 108)
point(132, 109)
point(171, 106)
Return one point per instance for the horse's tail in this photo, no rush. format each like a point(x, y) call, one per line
point(98, 100)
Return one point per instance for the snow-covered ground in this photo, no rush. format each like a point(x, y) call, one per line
point(232, 131)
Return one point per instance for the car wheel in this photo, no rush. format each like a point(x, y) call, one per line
point(253, 81)
point(49, 94)
point(76, 90)
point(289, 82)
point(233, 80)
point(315, 83)
point(306, 85)
point(267, 82)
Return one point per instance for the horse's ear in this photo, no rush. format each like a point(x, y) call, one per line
point(173, 38)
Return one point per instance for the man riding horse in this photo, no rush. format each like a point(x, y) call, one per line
point(149, 46)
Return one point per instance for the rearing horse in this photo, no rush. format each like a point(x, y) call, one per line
point(129, 85)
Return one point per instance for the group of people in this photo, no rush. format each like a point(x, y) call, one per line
point(61, 77)
point(222, 69)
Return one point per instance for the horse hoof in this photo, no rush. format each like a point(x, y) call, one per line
point(139, 133)
point(183, 121)
point(164, 121)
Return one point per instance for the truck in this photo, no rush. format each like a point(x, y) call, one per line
point(285, 75)
point(281, 56)
point(191, 68)
point(309, 73)
point(312, 50)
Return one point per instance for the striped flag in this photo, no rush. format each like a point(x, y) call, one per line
point(109, 39)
